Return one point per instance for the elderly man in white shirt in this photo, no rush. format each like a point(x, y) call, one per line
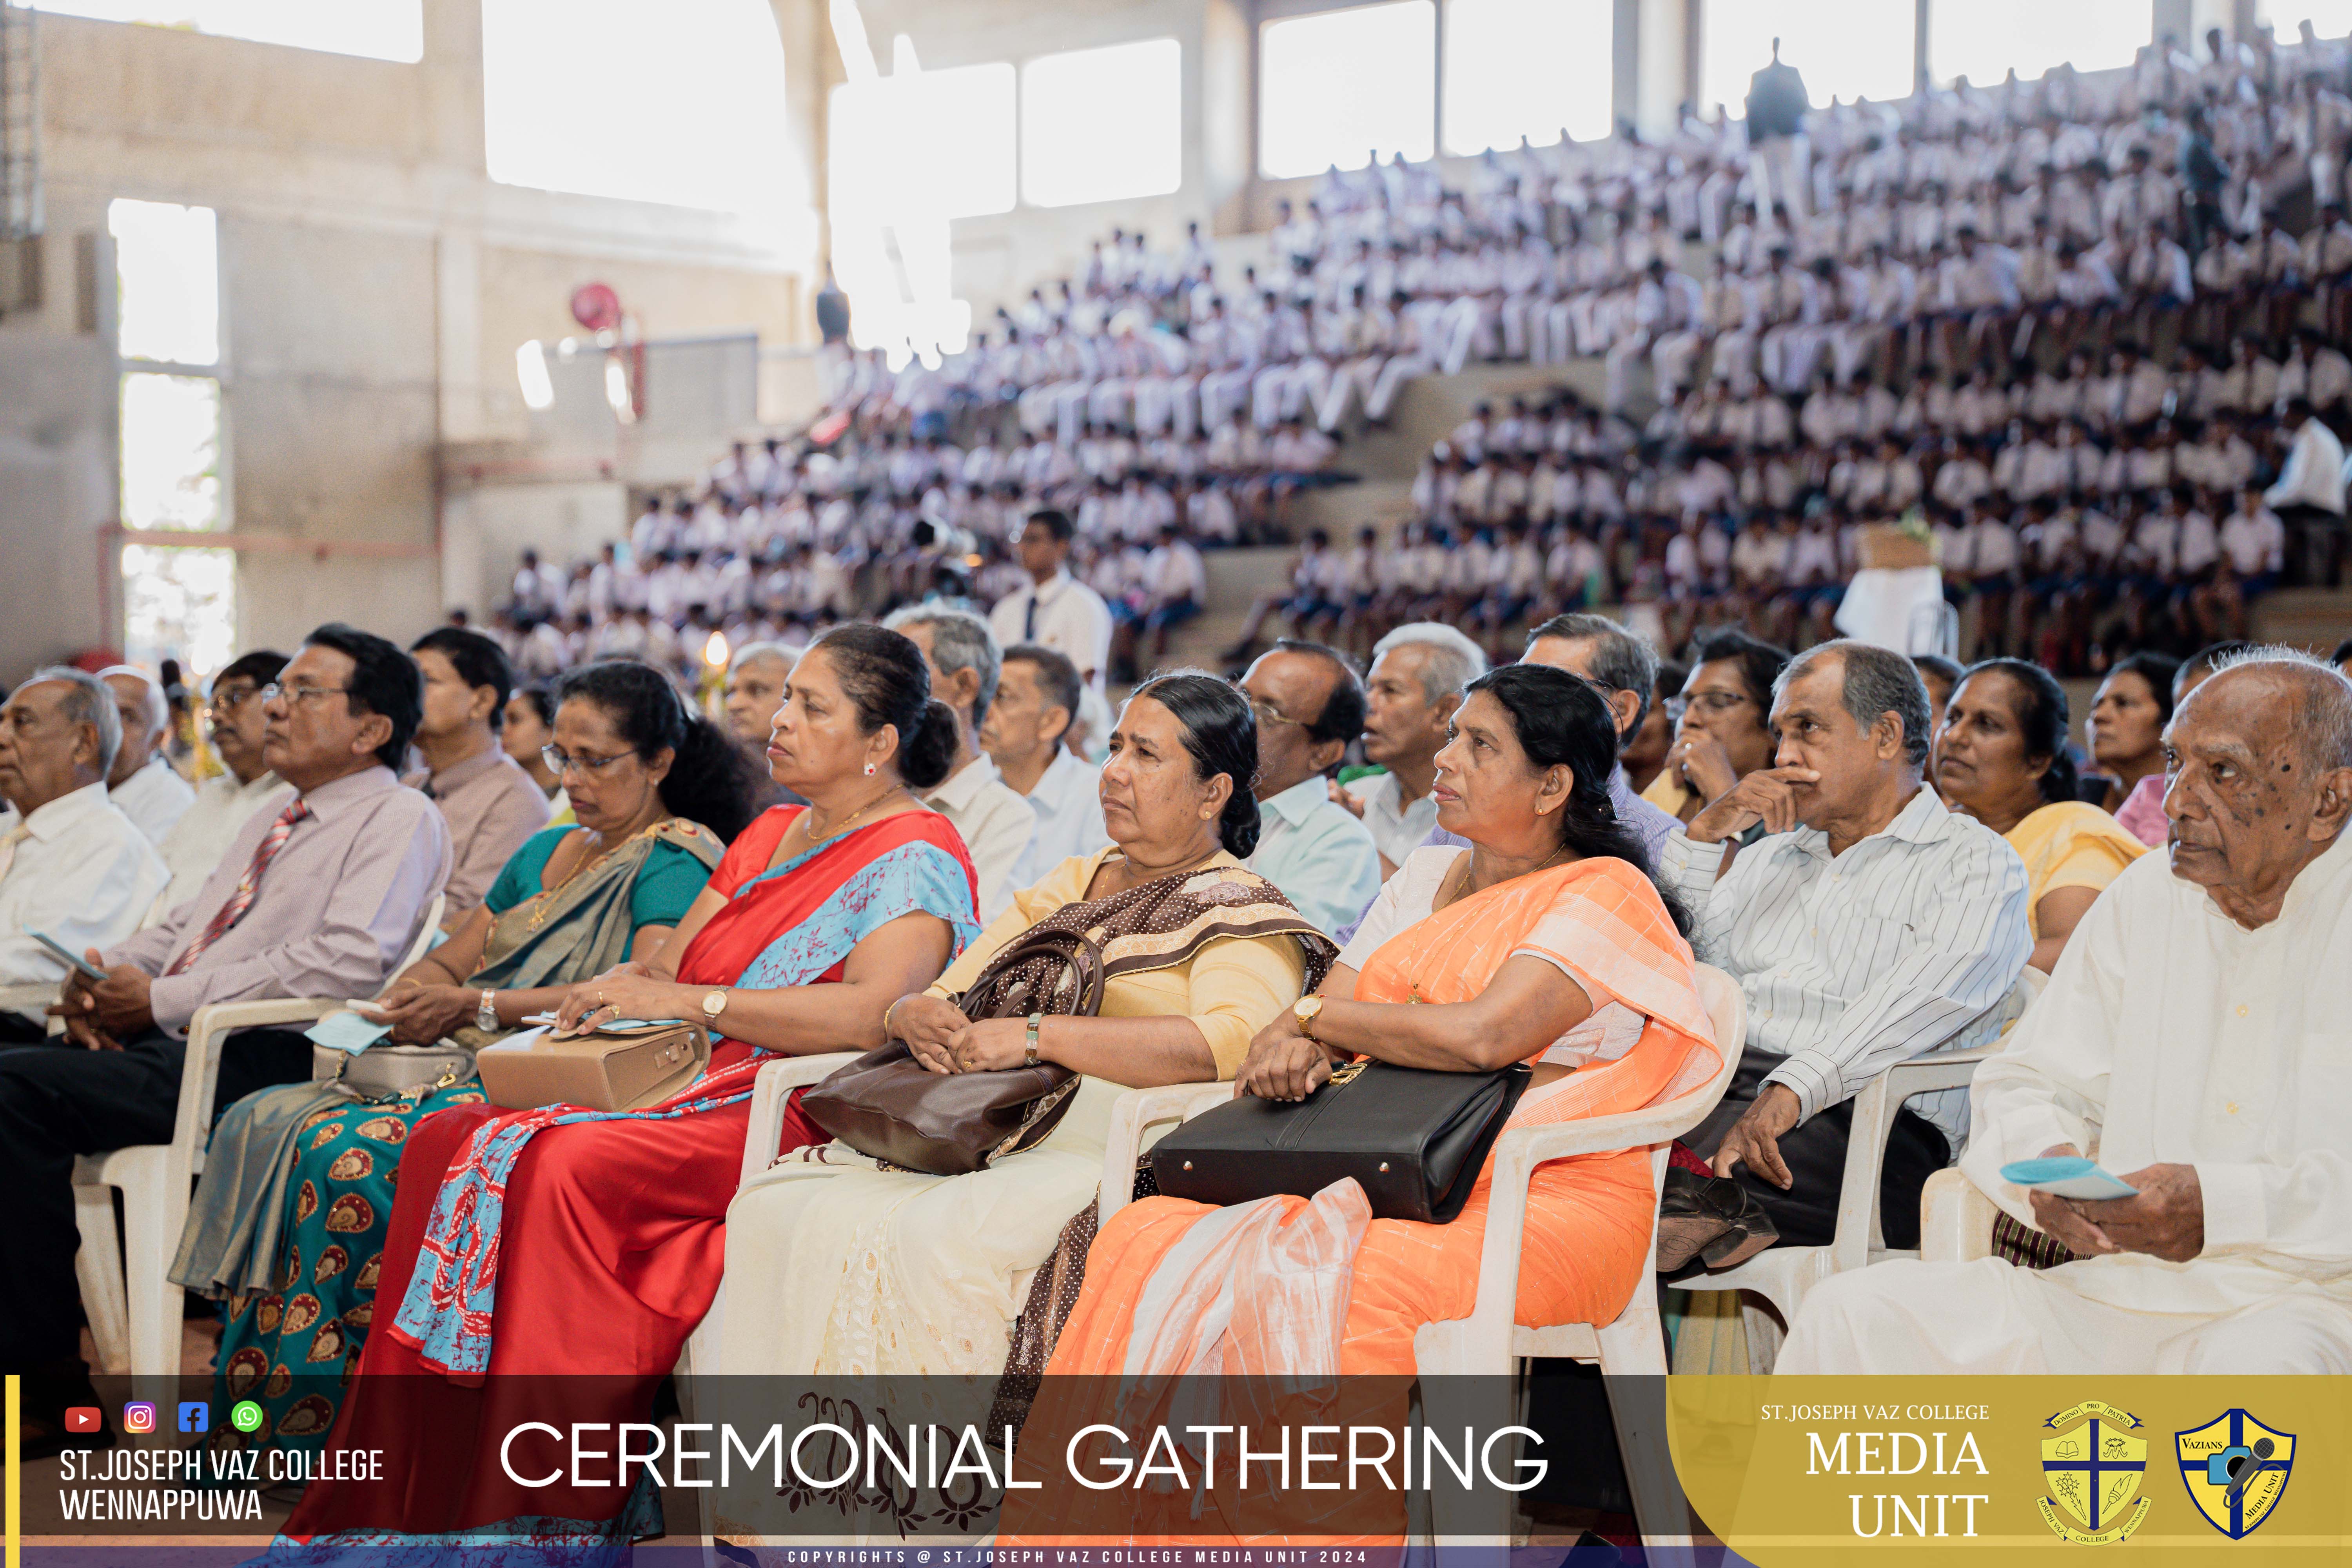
point(72, 866)
point(235, 722)
point(1053, 608)
point(995, 822)
point(2191, 1041)
point(1416, 681)
point(1870, 925)
point(1038, 697)
point(1308, 705)
point(142, 782)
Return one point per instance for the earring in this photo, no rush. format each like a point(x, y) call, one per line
point(870, 770)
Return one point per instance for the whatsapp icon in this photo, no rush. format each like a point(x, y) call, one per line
point(245, 1415)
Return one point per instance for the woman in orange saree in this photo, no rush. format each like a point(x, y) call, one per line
point(1546, 941)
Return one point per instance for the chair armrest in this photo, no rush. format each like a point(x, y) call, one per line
point(32, 997)
point(1861, 1229)
point(770, 1091)
point(207, 1031)
point(1954, 1219)
point(1134, 1112)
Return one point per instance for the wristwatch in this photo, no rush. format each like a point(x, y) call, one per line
point(712, 1005)
point(1303, 1012)
point(1029, 1059)
point(486, 1012)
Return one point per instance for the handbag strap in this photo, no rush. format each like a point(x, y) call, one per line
point(1071, 961)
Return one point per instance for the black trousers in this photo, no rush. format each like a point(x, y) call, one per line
point(1814, 1152)
point(57, 1101)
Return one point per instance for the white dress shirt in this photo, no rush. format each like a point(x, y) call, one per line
point(2170, 1033)
point(154, 797)
point(2314, 474)
point(1314, 850)
point(996, 824)
point(211, 824)
point(1906, 944)
point(1397, 831)
point(1067, 804)
point(78, 870)
point(1070, 618)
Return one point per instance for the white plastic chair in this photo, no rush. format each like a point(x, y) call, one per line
point(1490, 1340)
point(1954, 1219)
point(157, 1179)
point(1782, 1276)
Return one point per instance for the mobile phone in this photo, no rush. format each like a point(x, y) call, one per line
point(88, 970)
point(2066, 1176)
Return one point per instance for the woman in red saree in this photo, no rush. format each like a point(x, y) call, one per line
point(567, 1254)
point(1546, 941)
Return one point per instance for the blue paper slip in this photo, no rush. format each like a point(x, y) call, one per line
point(614, 1025)
point(346, 1032)
point(2068, 1176)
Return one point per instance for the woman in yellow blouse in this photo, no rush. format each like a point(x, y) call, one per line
point(2003, 759)
point(838, 1266)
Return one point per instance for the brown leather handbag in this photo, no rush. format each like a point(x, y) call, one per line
point(889, 1106)
point(607, 1070)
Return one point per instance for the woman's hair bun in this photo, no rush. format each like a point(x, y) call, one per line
point(925, 757)
point(1237, 830)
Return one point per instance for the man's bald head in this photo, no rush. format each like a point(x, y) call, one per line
point(2260, 784)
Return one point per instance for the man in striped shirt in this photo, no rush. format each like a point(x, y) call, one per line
point(1868, 926)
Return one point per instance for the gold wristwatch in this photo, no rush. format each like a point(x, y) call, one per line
point(1303, 1012)
point(712, 1005)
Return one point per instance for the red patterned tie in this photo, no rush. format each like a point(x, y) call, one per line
point(229, 913)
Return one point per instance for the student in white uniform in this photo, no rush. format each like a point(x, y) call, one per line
point(1053, 608)
point(2190, 1041)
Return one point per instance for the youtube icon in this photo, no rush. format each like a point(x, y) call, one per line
point(85, 1418)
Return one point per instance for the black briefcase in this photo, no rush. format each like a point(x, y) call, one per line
point(1414, 1140)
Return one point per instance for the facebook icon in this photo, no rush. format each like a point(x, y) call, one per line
point(194, 1415)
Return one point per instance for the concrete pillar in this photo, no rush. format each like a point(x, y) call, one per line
point(1226, 86)
point(1656, 62)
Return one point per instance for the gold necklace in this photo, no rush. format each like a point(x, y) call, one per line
point(851, 820)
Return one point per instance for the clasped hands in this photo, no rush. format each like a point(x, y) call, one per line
point(945, 1041)
point(2166, 1219)
point(101, 1015)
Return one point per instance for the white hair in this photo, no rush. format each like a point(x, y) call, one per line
point(754, 652)
point(87, 700)
point(158, 707)
point(2324, 727)
point(1455, 661)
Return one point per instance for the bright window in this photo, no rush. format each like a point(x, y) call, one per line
point(167, 271)
point(179, 603)
point(1841, 47)
point(378, 29)
point(1332, 87)
point(933, 144)
point(2328, 18)
point(1526, 68)
point(1101, 124)
point(176, 602)
point(1984, 39)
point(681, 103)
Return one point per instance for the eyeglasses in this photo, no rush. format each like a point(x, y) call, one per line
point(293, 695)
point(560, 761)
point(224, 704)
point(1267, 713)
point(1707, 702)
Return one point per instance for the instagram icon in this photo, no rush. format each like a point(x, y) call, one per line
point(139, 1416)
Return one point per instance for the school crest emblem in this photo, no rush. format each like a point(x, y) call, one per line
point(2235, 1470)
point(2093, 1461)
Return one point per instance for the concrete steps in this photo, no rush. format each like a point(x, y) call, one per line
point(2313, 618)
